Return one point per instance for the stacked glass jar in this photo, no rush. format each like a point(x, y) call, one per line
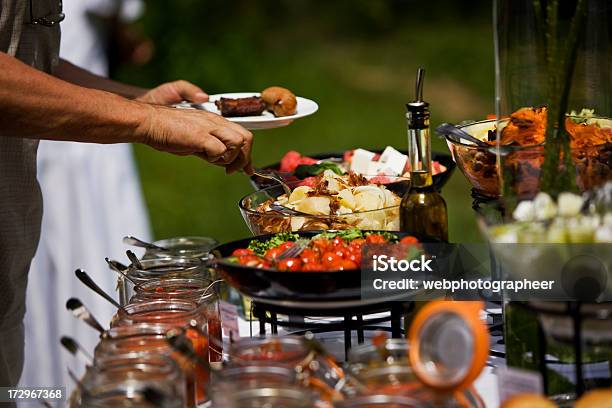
point(135, 363)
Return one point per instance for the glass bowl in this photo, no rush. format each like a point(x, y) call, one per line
point(523, 163)
point(259, 223)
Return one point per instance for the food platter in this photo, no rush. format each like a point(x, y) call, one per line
point(279, 286)
point(439, 180)
point(305, 107)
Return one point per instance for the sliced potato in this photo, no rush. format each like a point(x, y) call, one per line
point(347, 199)
point(297, 223)
point(299, 193)
point(367, 200)
point(314, 205)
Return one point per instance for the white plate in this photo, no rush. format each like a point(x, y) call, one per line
point(266, 120)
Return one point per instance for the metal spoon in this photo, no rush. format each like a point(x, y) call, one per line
point(79, 311)
point(87, 281)
point(450, 129)
point(116, 266)
point(279, 180)
point(285, 210)
point(134, 259)
point(131, 240)
point(78, 382)
point(76, 349)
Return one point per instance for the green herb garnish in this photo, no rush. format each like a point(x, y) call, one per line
point(390, 237)
point(308, 170)
point(355, 233)
point(347, 235)
point(260, 247)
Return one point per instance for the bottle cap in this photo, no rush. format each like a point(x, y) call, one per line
point(418, 110)
point(449, 344)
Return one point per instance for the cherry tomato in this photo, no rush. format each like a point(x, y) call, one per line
point(354, 255)
point(376, 239)
point(249, 260)
point(329, 258)
point(313, 267)
point(357, 242)
point(273, 253)
point(242, 252)
point(321, 244)
point(309, 256)
point(286, 245)
point(290, 264)
point(341, 251)
point(345, 265)
point(409, 240)
point(338, 241)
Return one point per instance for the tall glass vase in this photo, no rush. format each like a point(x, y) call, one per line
point(553, 104)
point(553, 59)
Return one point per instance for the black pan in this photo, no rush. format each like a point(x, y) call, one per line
point(296, 286)
point(439, 180)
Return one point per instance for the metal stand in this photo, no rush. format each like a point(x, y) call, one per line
point(353, 319)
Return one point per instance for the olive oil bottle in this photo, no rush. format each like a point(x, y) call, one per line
point(422, 210)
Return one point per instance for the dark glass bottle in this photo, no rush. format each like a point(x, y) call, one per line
point(422, 210)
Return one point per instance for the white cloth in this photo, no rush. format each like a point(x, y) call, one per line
point(91, 199)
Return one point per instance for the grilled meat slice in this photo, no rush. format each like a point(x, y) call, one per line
point(252, 106)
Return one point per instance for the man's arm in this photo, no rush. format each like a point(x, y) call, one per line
point(166, 94)
point(79, 76)
point(36, 105)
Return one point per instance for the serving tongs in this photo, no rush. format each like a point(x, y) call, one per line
point(279, 180)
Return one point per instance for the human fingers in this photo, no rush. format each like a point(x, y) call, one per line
point(189, 91)
point(238, 164)
point(233, 142)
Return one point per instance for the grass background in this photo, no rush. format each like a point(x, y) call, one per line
point(356, 58)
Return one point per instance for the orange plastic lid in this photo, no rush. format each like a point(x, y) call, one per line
point(449, 344)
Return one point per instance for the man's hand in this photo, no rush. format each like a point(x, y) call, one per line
point(174, 92)
point(204, 134)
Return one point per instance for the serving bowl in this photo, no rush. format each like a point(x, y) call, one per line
point(523, 164)
point(311, 286)
point(439, 180)
point(268, 222)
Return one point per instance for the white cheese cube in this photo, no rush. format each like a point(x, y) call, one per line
point(360, 161)
point(393, 160)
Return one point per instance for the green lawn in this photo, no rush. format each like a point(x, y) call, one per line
point(361, 85)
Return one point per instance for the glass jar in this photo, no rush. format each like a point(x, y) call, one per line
point(159, 269)
point(126, 380)
point(263, 397)
point(368, 355)
point(226, 381)
point(400, 380)
point(383, 401)
point(175, 313)
point(147, 338)
point(286, 351)
point(317, 372)
point(198, 291)
point(182, 247)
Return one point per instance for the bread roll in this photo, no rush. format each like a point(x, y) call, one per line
point(595, 399)
point(280, 101)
